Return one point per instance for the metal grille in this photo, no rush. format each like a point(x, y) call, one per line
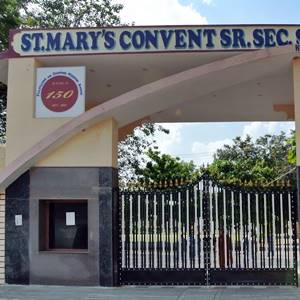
point(208, 234)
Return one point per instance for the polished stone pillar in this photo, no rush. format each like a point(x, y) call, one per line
point(17, 237)
point(108, 227)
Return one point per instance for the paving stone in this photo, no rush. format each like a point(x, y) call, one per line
point(36, 292)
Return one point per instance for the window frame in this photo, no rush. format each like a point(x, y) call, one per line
point(44, 225)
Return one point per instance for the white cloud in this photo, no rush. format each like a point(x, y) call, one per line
point(166, 142)
point(179, 143)
point(257, 129)
point(207, 2)
point(160, 12)
point(204, 151)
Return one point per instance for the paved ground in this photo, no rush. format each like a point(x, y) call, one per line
point(146, 293)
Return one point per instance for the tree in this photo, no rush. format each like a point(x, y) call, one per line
point(131, 151)
point(292, 158)
point(247, 160)
point(71, 13)
point(161, 167)
point(3, 100)
point(9, 19)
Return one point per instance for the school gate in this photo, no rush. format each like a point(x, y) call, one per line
point(205, 233)
point(75, 93)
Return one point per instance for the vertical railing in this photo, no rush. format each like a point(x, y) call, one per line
point(163, 229)
point(251, 228)
point(2, 237)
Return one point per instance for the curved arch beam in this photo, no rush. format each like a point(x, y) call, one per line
point(132, 106)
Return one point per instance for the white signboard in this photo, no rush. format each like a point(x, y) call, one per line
point(18, 220)
point(60, 92)
point(151, 39)
point(70, 218)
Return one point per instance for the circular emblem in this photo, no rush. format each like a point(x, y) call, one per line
point(59, 93)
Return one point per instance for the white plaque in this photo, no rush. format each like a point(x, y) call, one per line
point(70, 218)
point(60, 92)
point(18, 220)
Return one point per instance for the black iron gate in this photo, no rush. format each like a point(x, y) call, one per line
point(205, 233)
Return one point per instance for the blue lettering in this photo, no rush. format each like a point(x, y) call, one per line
point(166, 37)
point(109, 40)
point(94, 35)
point(68, 42)
point(82, 41)
point(53, 43)
point(270, 35)
point(210, 33)
point(180, 34)
point(125, 45)
point(298, 35)
point(258, 38)
point(195, 38)
point(238, 38)
point(151, 39)
point(138, 39)
point(37, 37)
point(279, 37)
point(26, 43)
point(226, 40)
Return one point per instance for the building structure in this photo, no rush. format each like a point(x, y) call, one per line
point(74, 93)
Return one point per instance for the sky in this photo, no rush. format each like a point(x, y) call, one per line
point(199, 141)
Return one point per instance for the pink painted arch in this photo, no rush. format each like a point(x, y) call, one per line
point(144, 101)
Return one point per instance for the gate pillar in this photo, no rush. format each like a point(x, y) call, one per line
point(108, 227)
point(94, 165)
point(108, 213)
point(296, 90)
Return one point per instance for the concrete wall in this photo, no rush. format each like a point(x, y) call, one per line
point(27, 263)
point(76, 170)
point(64, 184)
point(91, 148)
point(98, 265)
point(23, 129)
point(81, 168)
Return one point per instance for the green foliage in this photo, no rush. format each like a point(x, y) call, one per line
point(9, 19)
point(292, 151)
point(166, 167)
point(3, 100)
point(71, 13)
point(131, 151)
point(248, 160)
